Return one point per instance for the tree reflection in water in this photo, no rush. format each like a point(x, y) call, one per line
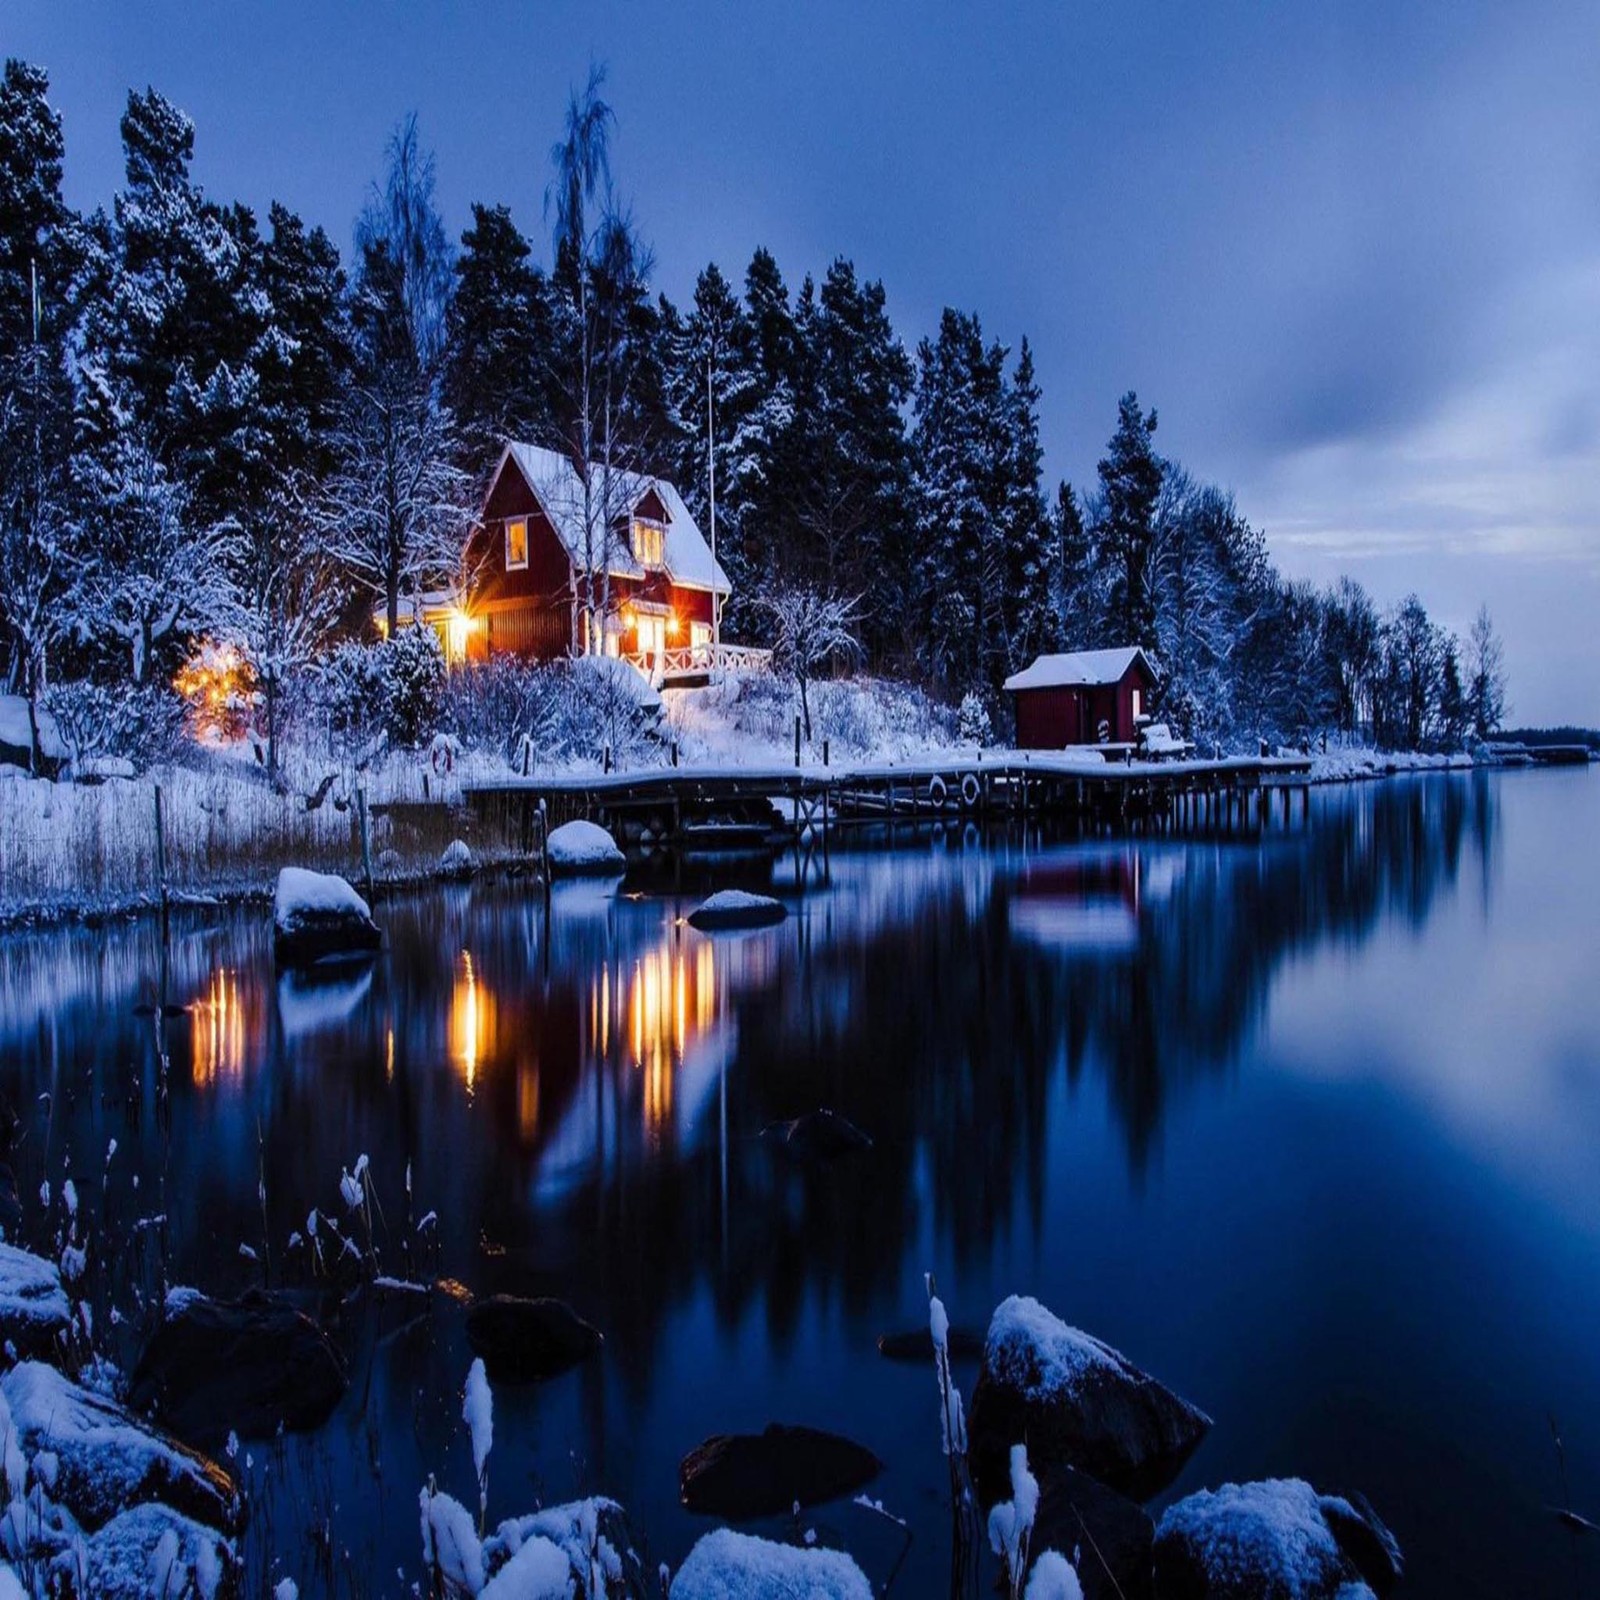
point(582, 1109)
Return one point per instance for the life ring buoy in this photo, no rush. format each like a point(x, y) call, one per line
point(442, 758)
point(970, 790)
point(938, 791)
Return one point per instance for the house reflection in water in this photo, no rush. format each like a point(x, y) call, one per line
point(472, 1021)
point(218, 1029)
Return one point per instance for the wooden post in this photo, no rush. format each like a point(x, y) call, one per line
point(544, 851)
point(605, 758)
point(824, 752)
point(366, 841)
point(161, 856)
point(797, 741)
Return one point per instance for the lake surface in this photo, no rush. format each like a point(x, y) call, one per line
point(1309, 1128)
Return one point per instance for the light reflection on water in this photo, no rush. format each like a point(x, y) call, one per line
point(1216, 1102)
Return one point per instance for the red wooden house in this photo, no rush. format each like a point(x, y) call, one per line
point(621, 569)
point(1082, 697)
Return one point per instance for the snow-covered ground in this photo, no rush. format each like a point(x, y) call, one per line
point(69, 847)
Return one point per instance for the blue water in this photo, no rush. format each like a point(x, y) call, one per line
point(1308, 1126)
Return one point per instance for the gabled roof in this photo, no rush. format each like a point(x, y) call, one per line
point(1079, 669)
point(558, 487)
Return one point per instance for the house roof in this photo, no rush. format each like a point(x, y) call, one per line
point(1079, 669)
point(559, 489)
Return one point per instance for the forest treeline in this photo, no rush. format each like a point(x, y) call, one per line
point(213, 426)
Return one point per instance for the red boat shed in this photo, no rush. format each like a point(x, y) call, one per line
point(1082, 697)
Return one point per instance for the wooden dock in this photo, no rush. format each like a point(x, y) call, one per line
point(728, 808)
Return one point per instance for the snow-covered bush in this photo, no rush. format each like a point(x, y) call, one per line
point(972, 721)
point(414, 678)
point(394, 688)
point(1011, 1521)
point(141, 724)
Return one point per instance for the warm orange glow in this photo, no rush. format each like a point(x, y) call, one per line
point(528, 1098)
point(217, 1031)
point(471, 1021)
point(458, 629)
point(219, 685)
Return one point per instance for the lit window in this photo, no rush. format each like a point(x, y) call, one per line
point(649, 544)
point(1138, 704)
point(516, 544)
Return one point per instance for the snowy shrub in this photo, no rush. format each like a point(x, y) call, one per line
point(138, 723)
point(972, 721)
point(1011, 1521)
point(394, 688)
point(414, 677)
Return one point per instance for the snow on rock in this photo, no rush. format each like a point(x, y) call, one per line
point(538, 1571)
point(152, 1550)
point(34, 1309)
point(736, 1566)
point(737, 908)
point(317, 918)
point(1053, 1578)
point(450, 1545)
point(1078, 1403)
point(1274, 1540)
point(596, 1539)
point(583, 847)
point(106, 1459)
point(457, 860)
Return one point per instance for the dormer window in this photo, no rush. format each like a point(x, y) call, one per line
point(516, 544)
point(649, 543)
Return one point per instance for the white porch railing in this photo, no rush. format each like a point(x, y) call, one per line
point(694, 659)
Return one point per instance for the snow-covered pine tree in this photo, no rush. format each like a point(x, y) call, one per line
point(1130, 478)
point(40, 244)
point(711, 353)
point(499, 334)
point(1027, 522)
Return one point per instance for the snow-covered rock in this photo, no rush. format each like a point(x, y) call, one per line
point(737, 908)
point(736, 1566)
point(596, 1540)
point(1078, 1403)
point(584, 847)
point(34, 1310)
point(457, 860)
point(538, 1571)
point(742, 1475)
point(317, 918)
point(243, 1366)
point(1275, 1540)
point(522, 1341)
point(1053, 1578)
point(152, 1550)
point(107, 1460)
point(1112, 1533)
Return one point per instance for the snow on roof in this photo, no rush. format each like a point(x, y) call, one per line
point(553, 478)
point(1077, 669)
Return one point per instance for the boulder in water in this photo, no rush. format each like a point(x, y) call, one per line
point(1076, 1402)
point(1274, 1540)
point(817, 1136)
point(457, 861)
point(319, 920)
point(736, 908)
point(579, 848)
point(744, 1475)
point(522, 1341)
point(1112, 1535)
point(244, 1366)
